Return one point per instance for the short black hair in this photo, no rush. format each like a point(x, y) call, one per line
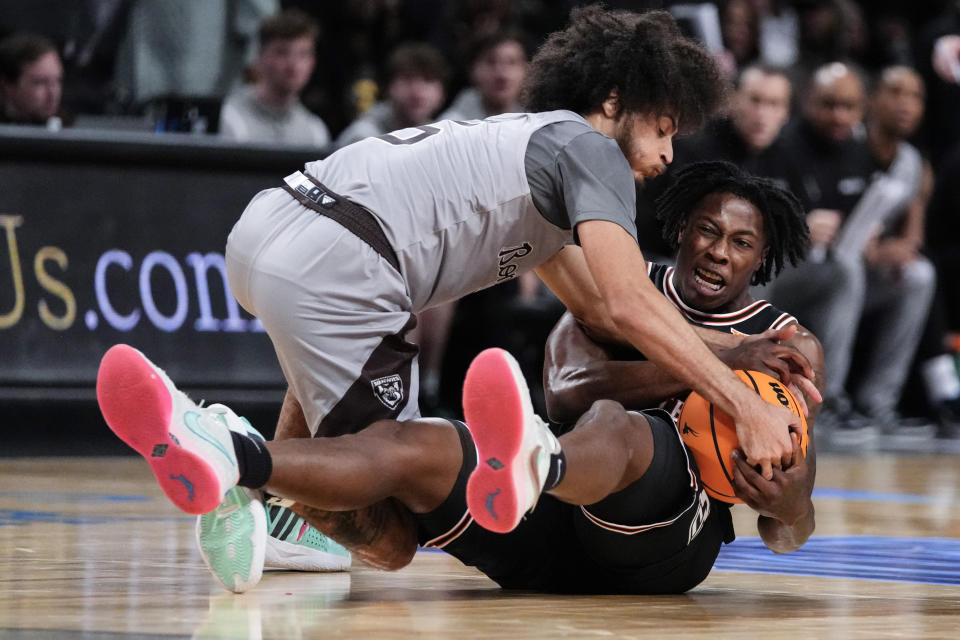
point(879, 79)
point(784, 222)
point(19, 50)
point(644, 57)
point(763, 68)
point(289, 24)
point(417, 59)
point(490, 40)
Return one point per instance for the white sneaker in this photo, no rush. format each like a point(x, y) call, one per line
point(189, 448)
point(513, 444)
point(232, 538)
point(296, 545)
point(245, 535)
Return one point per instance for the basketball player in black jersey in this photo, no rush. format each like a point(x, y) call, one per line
point(619, 505)
point(732, 230)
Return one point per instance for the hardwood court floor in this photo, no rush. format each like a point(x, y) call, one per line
point(90, 548)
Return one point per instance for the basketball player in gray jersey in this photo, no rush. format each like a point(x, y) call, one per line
point(449, 235)
point(337, 261)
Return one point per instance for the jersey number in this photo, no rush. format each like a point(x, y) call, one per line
point(426, 131)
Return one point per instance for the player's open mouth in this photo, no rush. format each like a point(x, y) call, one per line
point(708, 279)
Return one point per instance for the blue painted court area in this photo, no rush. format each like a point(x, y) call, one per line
point(59, 497)
point(14, 517)
point(827, 493)
point(38, 509)
point(924, 560)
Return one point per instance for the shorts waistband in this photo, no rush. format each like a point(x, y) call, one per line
point(313, 195)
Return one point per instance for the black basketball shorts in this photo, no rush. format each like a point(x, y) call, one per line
point(659, 535)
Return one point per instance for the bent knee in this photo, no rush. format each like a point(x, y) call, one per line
point(611, 415)
point(607, 408)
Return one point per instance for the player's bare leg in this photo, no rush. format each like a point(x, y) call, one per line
point(415, 462)
point(363, 488)
point(609, 449)
point(291, 423)
point(379, 534)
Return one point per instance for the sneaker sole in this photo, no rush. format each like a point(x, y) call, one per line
point(138, 405)
point(495, 403)
point(232, 540)
point(289, 556)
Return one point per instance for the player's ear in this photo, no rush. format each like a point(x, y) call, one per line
point(757, 277)
point(611, 106)
point(763, 257)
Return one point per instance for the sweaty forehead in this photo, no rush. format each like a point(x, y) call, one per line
point(733, 211)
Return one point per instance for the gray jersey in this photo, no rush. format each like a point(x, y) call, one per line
point(456, 204)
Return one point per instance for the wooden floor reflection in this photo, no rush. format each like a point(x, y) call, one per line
point(90, 548)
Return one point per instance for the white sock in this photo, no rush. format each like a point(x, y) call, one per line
point(940, 376)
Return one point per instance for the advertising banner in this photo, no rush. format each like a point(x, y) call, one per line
point(110, 242)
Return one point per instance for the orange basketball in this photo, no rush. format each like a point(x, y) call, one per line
point(711, 435)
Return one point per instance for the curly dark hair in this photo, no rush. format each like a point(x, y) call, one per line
point(784, 222)
point(643, 56)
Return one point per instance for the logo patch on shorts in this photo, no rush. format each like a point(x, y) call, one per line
point(700, 517)
point(389, 390)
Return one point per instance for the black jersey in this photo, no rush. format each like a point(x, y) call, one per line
point(756, 317)
point(826, 174)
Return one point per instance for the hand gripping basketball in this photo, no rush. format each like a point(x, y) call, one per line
point(711, 434)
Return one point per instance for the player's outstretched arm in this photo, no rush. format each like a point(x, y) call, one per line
point(578, 370)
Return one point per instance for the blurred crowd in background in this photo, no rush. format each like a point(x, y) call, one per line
point(855, 105)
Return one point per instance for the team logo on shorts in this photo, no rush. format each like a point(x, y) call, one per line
point(389, 390)
point(700, 517)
